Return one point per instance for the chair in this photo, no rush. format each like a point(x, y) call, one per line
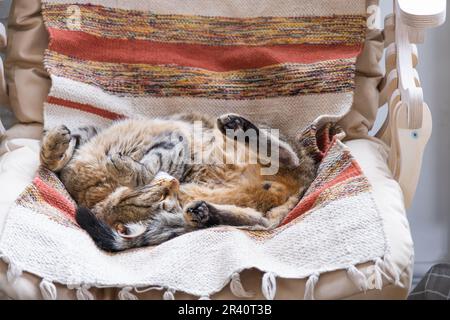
point(386, 159)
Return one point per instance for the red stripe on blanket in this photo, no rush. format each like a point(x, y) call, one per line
point(55, 199)
point(86, 108)
point(215, 58)
point(308, 202)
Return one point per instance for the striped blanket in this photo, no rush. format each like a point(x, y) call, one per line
point(287, 63)
point(283, 63)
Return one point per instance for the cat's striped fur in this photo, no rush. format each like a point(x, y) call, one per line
point(113, 176)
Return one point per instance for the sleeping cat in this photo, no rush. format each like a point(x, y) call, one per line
point(136, 184)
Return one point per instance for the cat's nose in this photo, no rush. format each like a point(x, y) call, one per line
point(167, 180)
point(174, 185)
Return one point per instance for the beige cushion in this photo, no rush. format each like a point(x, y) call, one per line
point(17, 170)
point(29, 84)
point(369, 74)
point(358, 122)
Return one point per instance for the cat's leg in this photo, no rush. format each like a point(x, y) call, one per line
point(168, 153)
point(205, 120)
point(57, 148)
point(59, 144)
point(259, 195)
point(201, 214)
point(84, 134)
point(165, 157)
point(276, 215)
point(128, 171)
point(235, 124)
point(268, 199)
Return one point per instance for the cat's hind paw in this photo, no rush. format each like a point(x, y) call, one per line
point(57, 148)
point(234, 122)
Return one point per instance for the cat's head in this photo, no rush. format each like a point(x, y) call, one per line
point(127, 205)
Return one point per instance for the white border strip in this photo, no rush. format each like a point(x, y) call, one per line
point(289, 114)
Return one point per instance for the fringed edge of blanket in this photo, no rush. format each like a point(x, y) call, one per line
point(373, 277)
point(317, 139)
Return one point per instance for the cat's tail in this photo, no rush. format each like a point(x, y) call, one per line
point(104, 236)
point(161, 228)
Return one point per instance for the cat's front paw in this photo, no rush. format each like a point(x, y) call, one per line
point(55, 146)
point(197, 214)
point(120, 164)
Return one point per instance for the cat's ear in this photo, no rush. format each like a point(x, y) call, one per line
point(288, 158)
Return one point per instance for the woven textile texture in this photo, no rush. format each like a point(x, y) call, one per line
point(266, 60)
point(286, 63)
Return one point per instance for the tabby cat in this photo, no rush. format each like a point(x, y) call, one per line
point(136, 184)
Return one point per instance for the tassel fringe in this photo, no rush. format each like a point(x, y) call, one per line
point(358, 278)
point(48, 290)
point(394, 272)
point(169, 294)
point(269, 286)
point(13, 273)
point(310, 285)
point(385, 269)
point(237, 288)
point(125, 294)
point(83, 293)
point(378, 273)
point(382, 269)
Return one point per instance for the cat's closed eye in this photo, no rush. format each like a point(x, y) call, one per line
point(164, 195)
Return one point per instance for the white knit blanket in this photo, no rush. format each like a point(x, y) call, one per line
point(335, 226)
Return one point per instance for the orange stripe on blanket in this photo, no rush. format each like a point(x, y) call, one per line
point(84, 46)
point(55, 199)
point(308, 202)
point(86, 108)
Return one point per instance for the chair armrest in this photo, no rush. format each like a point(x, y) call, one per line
point(409, 124)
